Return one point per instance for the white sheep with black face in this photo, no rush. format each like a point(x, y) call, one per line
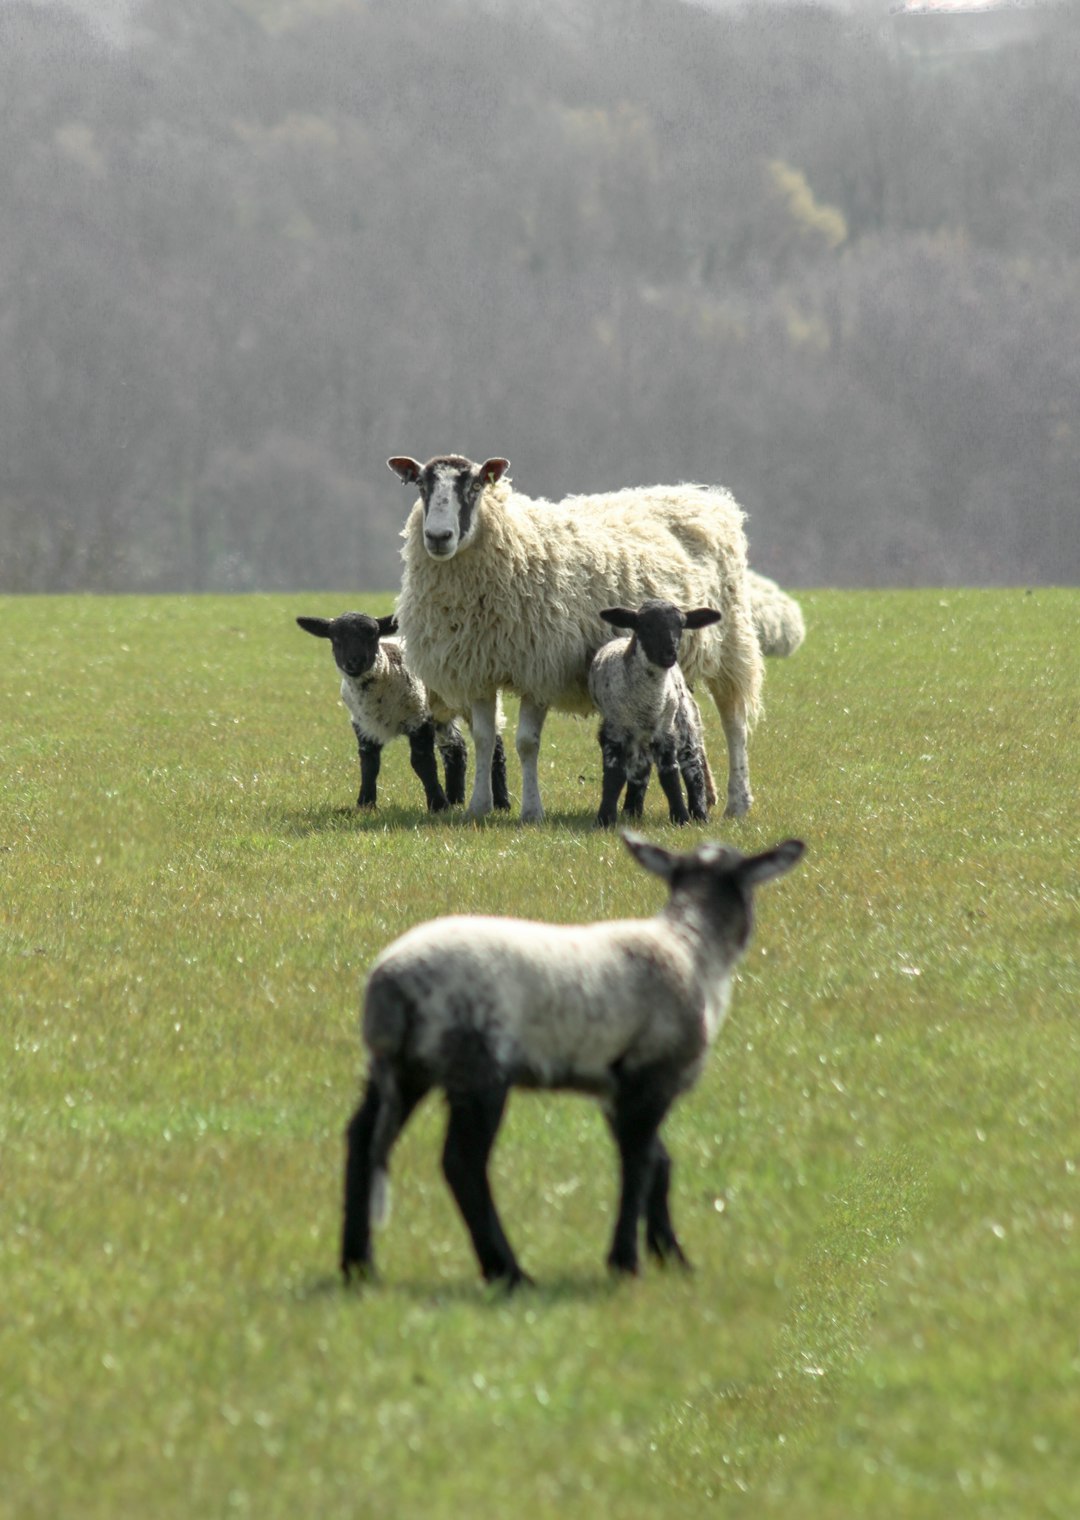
point(648, 715)
point(501, 592)
point(386, 701)
point(623, 1011)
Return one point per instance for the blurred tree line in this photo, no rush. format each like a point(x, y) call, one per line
point(248, 250)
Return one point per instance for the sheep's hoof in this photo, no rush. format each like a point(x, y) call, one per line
point(367, 803)
point(624, 1266)
point(738, 807)
point(356, 1273)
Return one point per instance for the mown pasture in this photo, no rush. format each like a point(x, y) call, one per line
point(877, 1180)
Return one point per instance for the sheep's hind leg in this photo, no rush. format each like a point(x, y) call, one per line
point(455, 759)
point(530, 726)
point(422, 760)
point(382, 1115)
point(638, 768)
point(500, 792)
point(470, 1134)
point(667, 768)
point(693, 768)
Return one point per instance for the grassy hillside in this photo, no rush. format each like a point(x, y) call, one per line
point(876, 1180)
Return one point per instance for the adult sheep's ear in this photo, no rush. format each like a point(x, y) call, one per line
point(619, 617)
point(387, 625)
point(320, 627)
point(653, 857)
point(493, 470)
point(407, 470)
point(701, 617)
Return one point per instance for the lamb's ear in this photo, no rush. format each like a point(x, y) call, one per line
point(775, 862)
point(701, 617)
point(406, 469)
point(387, 625)
point(493, 470)
point(320, 627)
point(653, 857)
point(619, 617)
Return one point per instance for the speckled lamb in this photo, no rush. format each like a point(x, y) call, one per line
point(648, 715)
point(386, 701)
point(624, 1011)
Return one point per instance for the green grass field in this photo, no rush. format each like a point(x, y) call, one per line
point(877, 1179)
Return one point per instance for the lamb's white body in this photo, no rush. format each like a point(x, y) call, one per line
point(778, 618)
point(572, 1000)
point(388, 701)
point(625, 1011)
point(503, 592)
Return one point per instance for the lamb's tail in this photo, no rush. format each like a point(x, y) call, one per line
point(778, 618)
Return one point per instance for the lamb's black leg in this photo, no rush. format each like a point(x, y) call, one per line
point(391, 1112)
point(455, 757)
point(635, 1118)
point(500, 792)
point(667, 768)
point(660, 1238)
point(613, 760)
point(356, 1232)
point(693, 775)
point(422, 759)
point(637, 784)
point(370, 760)
point(470, 1134)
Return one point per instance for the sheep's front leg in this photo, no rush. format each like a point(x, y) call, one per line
point(613, 761)
point(470, 1134)
point(635, 1118)
point(422, 759)
point(370, 761)
point(484, 735)
point(530, 726)
point(739, 796)
point(660, 1238)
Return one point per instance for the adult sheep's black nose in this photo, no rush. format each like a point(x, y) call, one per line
point(439, 541)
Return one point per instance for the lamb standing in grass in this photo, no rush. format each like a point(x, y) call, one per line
point(648, 714)
point(385, 700)
point(503, 592)
point(623, 1011)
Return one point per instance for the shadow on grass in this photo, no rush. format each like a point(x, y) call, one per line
point(326, 818)
point(567, 1288)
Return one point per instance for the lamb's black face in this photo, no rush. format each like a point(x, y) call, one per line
point(659, 628)
point(354, 638)
point(450, 488)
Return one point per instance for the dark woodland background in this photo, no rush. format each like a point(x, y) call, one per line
point(248, 250)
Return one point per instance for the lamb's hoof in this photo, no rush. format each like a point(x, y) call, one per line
point(738, 807)
point(366, 804)
point(624, 1266)
point(532, 815)
point(355, 1274)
